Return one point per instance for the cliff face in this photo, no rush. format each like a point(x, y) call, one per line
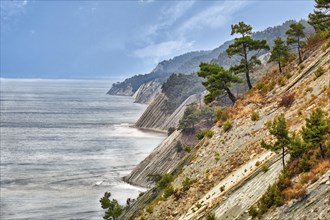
point(162, 160)
point(158, 117)
point(125, 91)
point(224, 172)
point(147, 92)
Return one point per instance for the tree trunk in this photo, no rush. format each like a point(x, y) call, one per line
point(231, 95)
point(280, 67)
point(247, 72)
point(283, 162)
point(299, 51)
point(321, 151)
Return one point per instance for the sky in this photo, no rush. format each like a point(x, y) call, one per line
point(117, 39)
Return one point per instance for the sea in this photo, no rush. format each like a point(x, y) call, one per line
point(63, 144)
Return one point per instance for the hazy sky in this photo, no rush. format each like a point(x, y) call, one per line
point(105, 39)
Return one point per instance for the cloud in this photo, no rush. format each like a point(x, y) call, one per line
point(11, 8)
point(167, 17)
point(214, 16)
point(163, 50)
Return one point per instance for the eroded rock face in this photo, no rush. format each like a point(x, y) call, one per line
point(147, 92)
point(162, 160)
point(158, 117)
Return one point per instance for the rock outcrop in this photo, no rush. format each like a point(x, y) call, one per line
point(147, 92)
point(157, 116)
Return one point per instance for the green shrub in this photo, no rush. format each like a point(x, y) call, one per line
point(140, 194)
point(281, 80)
point(257, 163)
point(198, 205)
point(150, 209)
point(304, 164)
point(309, 89)
point(319, 72)
point(227, 126)
point(204, 133)
point(170, 131)
point(187, 149)
point(217, 157)
point(264, 168)
point(164, 181)
point(222, 188)
point(168, 191)
point(210, 216)
point(221, 114)
point(253, 212)
point(186, 183)
point(255, 116)
point(272, 197)
point(288, 75)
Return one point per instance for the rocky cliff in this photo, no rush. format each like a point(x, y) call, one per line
point(147, 92)
point(162, 160)
point(225, 170)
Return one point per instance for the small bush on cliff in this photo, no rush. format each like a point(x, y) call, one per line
point(164, 181)
point(168, 191)
point(221, 115)
point(210, 216)
point(170, 131)
point(186, 183)
point(187, 149)
point(204, 133)
point(255, 116)
point(227, 126)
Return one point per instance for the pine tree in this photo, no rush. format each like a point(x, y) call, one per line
point(218, 81)
point(317, 126)
point(320, 19)
point(190, 117)
point(295, 35)
point(113, 209)
point(280, 53)
point(281, 133)
point(247, 48)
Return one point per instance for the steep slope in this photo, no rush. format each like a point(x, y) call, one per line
point(165, 110)
point(229, 158)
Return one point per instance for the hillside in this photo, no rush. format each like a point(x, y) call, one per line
point(189, 63)
point(167, 108)
point(223, 174)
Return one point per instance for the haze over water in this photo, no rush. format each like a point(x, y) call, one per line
point(63, 144)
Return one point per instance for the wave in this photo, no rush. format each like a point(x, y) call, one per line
point(126, 130)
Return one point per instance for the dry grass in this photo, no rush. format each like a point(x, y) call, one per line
point(295, 192)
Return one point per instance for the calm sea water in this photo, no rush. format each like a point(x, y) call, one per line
point(63, 144)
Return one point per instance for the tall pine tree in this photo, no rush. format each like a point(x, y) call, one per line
point(281, 133)
point(295, 35)
point(317, 126)
point(280, 53)
point(320, 19)
point(247, 48)
point(218, 81)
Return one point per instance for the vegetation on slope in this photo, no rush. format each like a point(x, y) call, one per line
point(178, 88)
point(308, 157)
